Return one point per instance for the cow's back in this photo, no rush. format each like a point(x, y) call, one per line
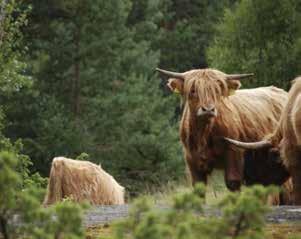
point(256, 112)
point(80, 181)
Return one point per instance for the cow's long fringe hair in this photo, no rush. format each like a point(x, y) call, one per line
point(82, 181)
point(208, 84)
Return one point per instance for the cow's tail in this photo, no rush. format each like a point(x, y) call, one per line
point(54, 189)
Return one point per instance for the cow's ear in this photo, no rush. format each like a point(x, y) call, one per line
point(233, 85)
point(176, 85)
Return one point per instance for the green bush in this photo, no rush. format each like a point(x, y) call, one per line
point(242, 216)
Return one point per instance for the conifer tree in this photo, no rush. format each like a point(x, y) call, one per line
point(94, 73)
point(259, 37)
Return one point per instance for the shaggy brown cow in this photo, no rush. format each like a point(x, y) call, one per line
point(211, 111)
point(286, 139)
point(82, 180)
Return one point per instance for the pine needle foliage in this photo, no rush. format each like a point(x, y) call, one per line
point(242, 215)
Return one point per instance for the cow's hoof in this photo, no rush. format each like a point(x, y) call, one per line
point(233, 185)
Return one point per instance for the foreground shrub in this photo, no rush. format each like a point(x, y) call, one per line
point(242, 216)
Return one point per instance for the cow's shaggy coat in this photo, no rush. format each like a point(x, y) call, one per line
point(212, 111)
point(265, 167)
point(82, 181)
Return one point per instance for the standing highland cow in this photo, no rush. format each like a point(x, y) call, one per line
point(82, 181)
point(286, 139)
point(215, 108)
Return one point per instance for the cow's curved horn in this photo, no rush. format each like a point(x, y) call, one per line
point(251, 145)
point(171, 74)
point(239, 76)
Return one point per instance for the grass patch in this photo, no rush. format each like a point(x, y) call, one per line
point(163, 195)
point(283, 231)
point(99, 232)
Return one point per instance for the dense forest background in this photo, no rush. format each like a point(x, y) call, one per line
point(77, 77)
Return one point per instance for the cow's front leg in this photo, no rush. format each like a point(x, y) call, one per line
point(197, 175)
point(234, 170)
point(292, 161)
point(295, 170)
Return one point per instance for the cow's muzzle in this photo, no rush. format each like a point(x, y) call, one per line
point(209, 111)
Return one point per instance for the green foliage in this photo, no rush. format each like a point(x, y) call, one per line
point(23, 164)
point(64, 220)
point(141, 145)
point(93, 65)
point(9, 181)
point(294, 237)
point(57, 135)
point(242, 217)
point(12, 77)
point(83, 156)
point(92, 87)
point(188, 32)
point(260, 37)
point(246, 211)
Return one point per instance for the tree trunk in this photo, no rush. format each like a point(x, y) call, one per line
point(75, 101)
point(3, 226)
point(296, 177)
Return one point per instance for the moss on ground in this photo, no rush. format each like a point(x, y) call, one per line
point(99, 232)
point(273, 231)
point(283, 231)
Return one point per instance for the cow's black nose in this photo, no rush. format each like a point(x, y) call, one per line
point(208, 108)
point(207, 111)
point(233, 185)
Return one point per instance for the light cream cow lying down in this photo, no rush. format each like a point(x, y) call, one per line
point(82, 181)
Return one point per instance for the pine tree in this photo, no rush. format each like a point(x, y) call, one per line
point(259, 37)
point(189, 28)
point(94, 73)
